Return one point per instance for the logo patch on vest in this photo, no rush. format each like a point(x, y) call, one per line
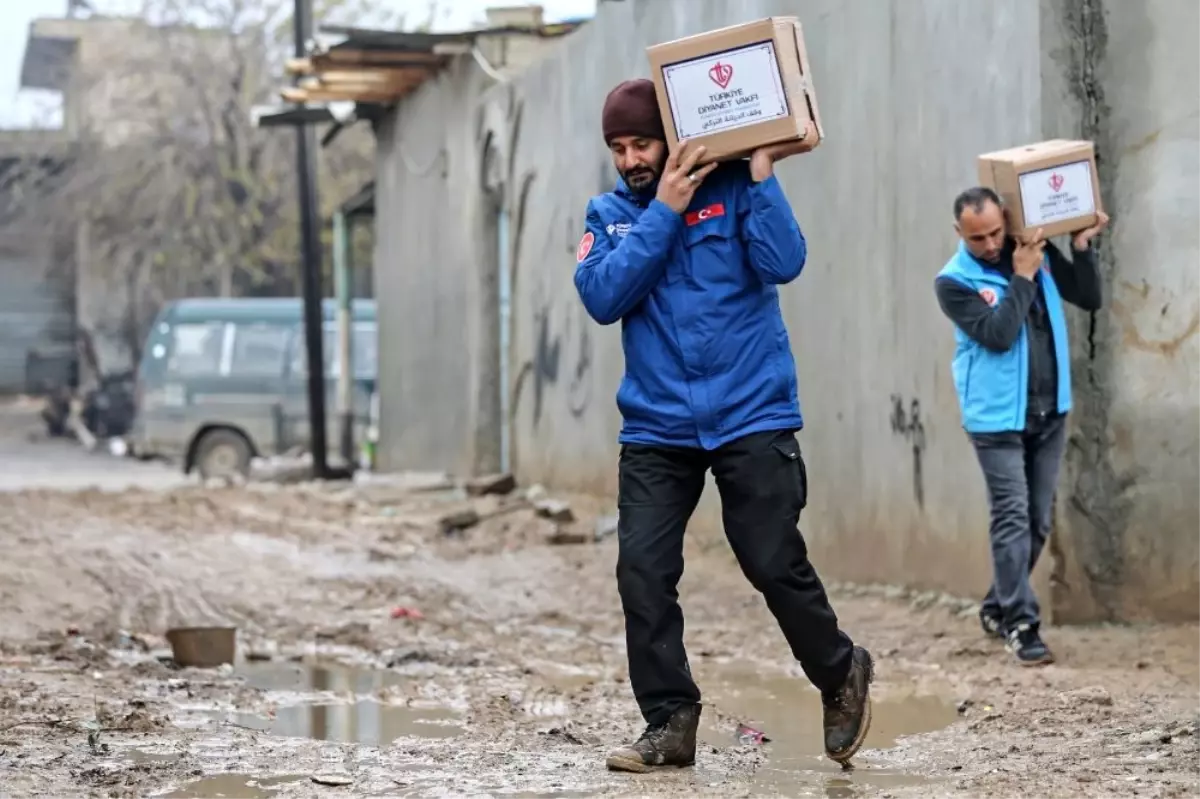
point(709, 212)
point(585, 246)
point(989, 296)
point(620, 229)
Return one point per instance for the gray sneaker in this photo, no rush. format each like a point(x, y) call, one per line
point(1026, 645)
point(993, 625)
point(670, 744)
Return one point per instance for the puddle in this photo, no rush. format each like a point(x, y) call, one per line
point(788, 710)
point(312, 678)
point(241, 786)
point(365, 722)
point(152, 758)
point(361, 720)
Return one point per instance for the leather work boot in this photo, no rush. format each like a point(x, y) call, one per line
point(848, 710)
point(670, 744)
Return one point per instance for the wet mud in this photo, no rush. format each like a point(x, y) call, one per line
point(380, 655)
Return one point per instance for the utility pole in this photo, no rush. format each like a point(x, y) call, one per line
point(306, 171)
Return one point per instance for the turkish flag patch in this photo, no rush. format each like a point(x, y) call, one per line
point(585, 246)
point(708, 212)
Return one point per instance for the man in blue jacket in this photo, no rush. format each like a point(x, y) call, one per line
point(1012, 371)
point(688, 260)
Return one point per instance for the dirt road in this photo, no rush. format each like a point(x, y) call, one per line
point(509, 679)
point(29, 459)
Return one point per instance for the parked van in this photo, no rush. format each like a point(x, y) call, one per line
point(224, 380)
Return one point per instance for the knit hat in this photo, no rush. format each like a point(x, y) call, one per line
point(631, 109)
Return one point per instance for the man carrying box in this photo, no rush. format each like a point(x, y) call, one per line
point(689, 260)
point(1012, 371)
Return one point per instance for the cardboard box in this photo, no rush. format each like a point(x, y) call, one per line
point(736, 89)
point(1052, 185)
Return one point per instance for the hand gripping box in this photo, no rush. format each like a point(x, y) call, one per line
point(736, 89)
point(1052, 185)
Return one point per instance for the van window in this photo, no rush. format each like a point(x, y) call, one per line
point(365, 352)
point(196, 349)
point(259, 350)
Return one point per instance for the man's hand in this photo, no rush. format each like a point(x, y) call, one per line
point(1027, 258)
point(762, 160)
point(679, 182)
point(1083, 239)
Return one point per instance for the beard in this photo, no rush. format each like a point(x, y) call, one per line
point(640, 178)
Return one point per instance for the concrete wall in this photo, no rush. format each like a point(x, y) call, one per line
point(440, 190)
point(36, 313)
point(894, 492)
point(1127, 75)
point(435, 281)
point(910, 93)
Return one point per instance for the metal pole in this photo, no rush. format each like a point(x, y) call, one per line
point(345, 376)
point(306, 170)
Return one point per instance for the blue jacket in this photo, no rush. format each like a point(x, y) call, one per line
point(707, 357)
point(993, 387)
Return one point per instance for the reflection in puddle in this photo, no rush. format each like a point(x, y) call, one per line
point(317, 677)
point(365, 722)
point(361, 720)
point(242, 786)
point(788, 710)
point(785, 707)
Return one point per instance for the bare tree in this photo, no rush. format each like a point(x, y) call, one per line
point(165, 185)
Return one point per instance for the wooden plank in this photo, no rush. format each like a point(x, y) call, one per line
point(298, 66)
point(295, 94)
point(370, 77)
point(312, 85)
point(375, 58)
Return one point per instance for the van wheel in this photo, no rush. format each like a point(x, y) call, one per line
point(223, 454)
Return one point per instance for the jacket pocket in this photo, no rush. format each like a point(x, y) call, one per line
point(712, 230)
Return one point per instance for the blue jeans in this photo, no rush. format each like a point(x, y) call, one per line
point(1021, 470)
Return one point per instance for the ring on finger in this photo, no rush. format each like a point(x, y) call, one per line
point(692, 177)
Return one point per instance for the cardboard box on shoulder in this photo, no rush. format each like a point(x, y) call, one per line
point(1051, 185)
point(736, 89)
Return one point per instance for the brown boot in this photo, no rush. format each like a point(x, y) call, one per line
point(670, 744)
point(848, 710)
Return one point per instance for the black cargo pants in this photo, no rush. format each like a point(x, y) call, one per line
point(763, 486)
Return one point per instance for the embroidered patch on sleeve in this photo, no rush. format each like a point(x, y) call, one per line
point(585, 246)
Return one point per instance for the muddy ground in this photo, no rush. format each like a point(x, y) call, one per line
point(381, 656)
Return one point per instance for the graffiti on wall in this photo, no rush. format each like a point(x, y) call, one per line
point(562, 361)
point(562, 358)
point(909, 426)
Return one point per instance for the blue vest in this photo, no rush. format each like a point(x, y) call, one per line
point(993, 387)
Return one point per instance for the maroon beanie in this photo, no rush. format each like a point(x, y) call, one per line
point(631, 109)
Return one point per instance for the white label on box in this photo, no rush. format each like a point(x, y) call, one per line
point(725, 91)
point(1058, 193)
